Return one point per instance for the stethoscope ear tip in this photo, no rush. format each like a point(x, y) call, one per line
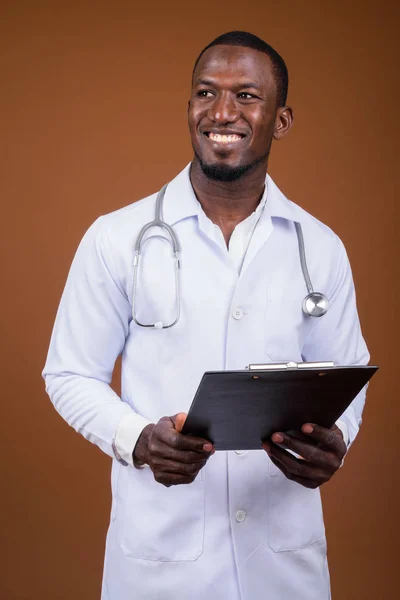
point(315, 304)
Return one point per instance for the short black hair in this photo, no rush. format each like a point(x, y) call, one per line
point(249, 40)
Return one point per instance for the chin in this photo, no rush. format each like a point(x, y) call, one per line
point(220, 171)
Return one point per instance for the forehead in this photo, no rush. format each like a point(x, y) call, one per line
point(236, 64)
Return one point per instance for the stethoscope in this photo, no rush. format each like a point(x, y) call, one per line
point(315, 304)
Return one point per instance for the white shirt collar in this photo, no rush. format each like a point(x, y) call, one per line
point(180, 201)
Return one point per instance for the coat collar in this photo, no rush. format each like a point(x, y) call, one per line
point(180, 201)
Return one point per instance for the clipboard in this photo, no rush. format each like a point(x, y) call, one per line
point(236, 410)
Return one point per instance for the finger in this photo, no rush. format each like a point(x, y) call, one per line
point(295, 467)
point(170, 473)
point(163, 465)
point(304, 481)
point(307, 450)
point(165, 431)
point(169, 479)
point(179, 421)
point(331, 439)
point(159, 449)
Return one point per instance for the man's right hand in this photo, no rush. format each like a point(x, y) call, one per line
point(174, 458)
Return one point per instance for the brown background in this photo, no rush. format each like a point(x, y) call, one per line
point(93, 99)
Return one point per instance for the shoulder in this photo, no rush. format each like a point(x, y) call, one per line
point(325, 253)
point(318, 235)
point(322, 242)
point(121, 226)
point(139, 212)
point(319, 232)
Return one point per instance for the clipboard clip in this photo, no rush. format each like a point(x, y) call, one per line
point(290, 365)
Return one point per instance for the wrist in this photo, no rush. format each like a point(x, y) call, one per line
point(141, 450)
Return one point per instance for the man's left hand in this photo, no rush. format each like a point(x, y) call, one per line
point(320, 457)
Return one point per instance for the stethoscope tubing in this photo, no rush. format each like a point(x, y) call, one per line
point(158, 222)
point(315, 304)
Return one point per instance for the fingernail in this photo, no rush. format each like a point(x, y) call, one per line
point(307, 428)
point(207, 447)
point(278, 438)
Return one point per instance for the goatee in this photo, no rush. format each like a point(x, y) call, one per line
point(218, 172)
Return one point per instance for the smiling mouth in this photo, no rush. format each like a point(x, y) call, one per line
point(219, 138)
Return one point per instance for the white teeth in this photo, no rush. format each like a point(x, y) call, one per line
point(224, 139)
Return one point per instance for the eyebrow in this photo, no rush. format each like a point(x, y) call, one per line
point(244, 85)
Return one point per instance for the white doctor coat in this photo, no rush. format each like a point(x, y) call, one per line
point(241, 531)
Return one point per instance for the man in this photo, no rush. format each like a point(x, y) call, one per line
point(246, 525)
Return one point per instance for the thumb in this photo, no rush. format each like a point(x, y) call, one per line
point(179, 421)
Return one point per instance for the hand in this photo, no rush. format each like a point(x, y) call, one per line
point(174, 458)
point(320, 456)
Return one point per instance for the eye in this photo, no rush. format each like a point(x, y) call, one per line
point(204, 94)
point(246, 96)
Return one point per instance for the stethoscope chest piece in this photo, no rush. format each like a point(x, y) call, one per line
point(315, 304)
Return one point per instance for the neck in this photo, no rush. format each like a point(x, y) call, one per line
point(227, 203)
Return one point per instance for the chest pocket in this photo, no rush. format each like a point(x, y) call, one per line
point(158, 523)
point(284, 324)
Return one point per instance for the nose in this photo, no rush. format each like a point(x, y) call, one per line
point(224, 110)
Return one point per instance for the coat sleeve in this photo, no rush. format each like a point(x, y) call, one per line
point(89, 333)
point(337, 337)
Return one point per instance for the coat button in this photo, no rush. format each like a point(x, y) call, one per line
point(237, 313)
point(240, 516)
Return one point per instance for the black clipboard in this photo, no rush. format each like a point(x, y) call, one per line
point(238, 409)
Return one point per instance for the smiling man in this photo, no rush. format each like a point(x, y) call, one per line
point(189, 523)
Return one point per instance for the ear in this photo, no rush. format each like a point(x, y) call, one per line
point(283, 122)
